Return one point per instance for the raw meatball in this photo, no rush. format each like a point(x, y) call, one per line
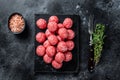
point(59, 38)
point(59, 57)
point(50, 51)
point(63, 33)
point(47, 59)
point(56, 65)
point(54, 19)
point(48, 33)
point(71, 34)
point(40, 37)
point(70, 45)
point(53, 39)
point(52, 26)
point(46, 44)
point(62, 47)
point(40, 50)
point(68, 22)
point(68, 56)
point(60, 25)
point(41, 23)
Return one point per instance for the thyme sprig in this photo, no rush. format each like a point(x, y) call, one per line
point(98, 37)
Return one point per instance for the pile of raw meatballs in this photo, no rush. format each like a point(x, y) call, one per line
point(56, 42)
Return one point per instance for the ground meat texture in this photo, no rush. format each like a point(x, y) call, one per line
point(59, 57)
point(57, 50)
point(59, 38)
point(53, 39)
point(70, 45)
point(41, 23)
point(68, 22)
point(54, 19)
point(40, 37)
point(68, 56)
point(40, 50)
point(52, 26)
point(47, 59)
point(48, 33)
point(56, 65)
point(46, 44)
point(63, 33)
point(50, 51)
point(71, 34)
point(62, 47)
point(56, 41)
point(60, 25)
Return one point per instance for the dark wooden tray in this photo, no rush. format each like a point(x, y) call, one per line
point(69, 67)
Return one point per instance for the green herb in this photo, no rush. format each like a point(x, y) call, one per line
point(98, 37)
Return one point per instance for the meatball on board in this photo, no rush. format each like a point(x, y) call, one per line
point(55, 59)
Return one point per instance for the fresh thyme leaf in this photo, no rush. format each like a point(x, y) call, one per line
point(98, 37)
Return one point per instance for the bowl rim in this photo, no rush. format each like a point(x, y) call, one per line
point(23, 19)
